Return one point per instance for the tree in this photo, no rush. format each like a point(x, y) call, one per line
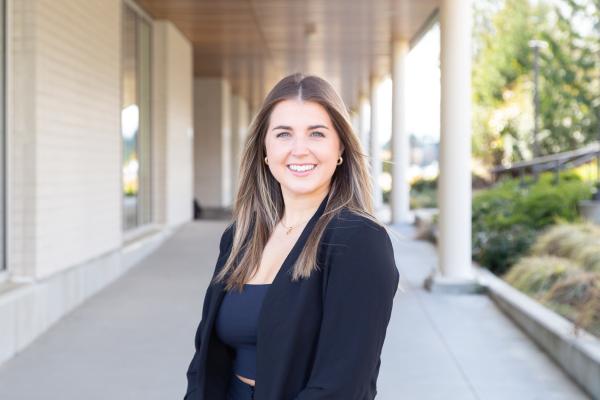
point(570, 86)
point(502, 77)
point(501, 62)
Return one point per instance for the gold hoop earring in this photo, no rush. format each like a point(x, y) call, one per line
point(340, 160)
point(266, 162)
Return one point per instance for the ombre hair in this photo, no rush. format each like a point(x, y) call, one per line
point(259, 204)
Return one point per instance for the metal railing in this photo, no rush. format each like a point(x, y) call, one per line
point(553, 162)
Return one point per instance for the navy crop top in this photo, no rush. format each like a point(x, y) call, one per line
point(236, 325)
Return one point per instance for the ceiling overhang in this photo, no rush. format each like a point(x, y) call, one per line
point(254, 43)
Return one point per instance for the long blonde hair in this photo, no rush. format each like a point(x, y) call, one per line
point(259, 205)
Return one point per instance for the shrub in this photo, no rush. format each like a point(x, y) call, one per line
point(577, 298)
point(561, 271)
point(507, 218)
point(423, 193)
point(422, 184)
point(536, 275)
point(578, 242)
point(497, 250)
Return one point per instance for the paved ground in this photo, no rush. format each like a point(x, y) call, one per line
point(459, 346)
point(134, 339)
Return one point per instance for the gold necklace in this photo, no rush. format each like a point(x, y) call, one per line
point(288, 229)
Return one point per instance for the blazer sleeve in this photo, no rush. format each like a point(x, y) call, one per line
point(193, 368)
point(359, 293)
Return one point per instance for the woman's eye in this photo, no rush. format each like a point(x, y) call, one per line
point(287, 133)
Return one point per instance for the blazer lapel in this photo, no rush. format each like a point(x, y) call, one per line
point(218, 292)
point(280, 282)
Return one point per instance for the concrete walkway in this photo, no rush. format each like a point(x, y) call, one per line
point(134, 339)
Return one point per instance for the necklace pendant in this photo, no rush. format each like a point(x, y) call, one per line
point(288, 231)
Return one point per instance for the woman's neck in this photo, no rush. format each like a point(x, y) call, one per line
point(299, 209)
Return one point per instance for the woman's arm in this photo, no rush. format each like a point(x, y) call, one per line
point(193, 368)
point(362, 282)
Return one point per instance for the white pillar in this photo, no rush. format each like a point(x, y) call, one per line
point(251, 88)
point(400, 199)
point(454, 183)
point(365, 122)
point(238, 119)
point(244, 115)
point(374, 148)
point(226, 132)
point(212, 142)
point(355, 121)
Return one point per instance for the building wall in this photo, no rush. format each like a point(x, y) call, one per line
point(66, 75)
point(212, 142)
point(159, 121)
point(173, 128)
point(65, 238)
point(21, 140)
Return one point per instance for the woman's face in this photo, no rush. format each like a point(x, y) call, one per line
point(301, 135)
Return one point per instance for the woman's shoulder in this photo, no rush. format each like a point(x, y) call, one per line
point(361, 246)
point(348, 221)
point(352, 228)
point(227, 237)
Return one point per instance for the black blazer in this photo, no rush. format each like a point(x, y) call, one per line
point(318, 338)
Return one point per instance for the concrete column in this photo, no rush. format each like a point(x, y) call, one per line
point(172, 113)
point(455, 272)
point(212, 142)
point(400, 199)
point(257, 85)
point(355, 121)
point(242, 131)
point(374, 148)
point(365, 122)
point(227, 184)
point(235, 146)
point(239, 119)
point(250, 88)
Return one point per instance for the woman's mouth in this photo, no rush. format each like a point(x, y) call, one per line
point(301, 169)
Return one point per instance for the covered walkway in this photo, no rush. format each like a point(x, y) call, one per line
point(134, 339)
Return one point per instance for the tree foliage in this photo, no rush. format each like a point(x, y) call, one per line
point(569, 80)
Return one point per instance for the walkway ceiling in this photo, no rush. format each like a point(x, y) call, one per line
point(257, 42)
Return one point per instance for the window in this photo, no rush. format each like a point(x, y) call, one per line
point(135, 118)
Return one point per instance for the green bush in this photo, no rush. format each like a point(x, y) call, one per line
point(507, 217)
point(498, 249)
point(423, 193)
point(424, 184)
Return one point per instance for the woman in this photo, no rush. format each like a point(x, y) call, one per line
point(302, 291)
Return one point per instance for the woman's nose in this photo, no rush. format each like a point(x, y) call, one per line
point(299, 147)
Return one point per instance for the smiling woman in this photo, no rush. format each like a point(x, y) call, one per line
point(297, 147)
point(302, 291)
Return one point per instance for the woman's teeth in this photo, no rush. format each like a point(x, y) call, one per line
point(301, 168)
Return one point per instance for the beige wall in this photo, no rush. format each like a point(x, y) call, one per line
point(64, 141)
point(65, 145)
point(65, 239)
point(212, 142)
point(173, 124)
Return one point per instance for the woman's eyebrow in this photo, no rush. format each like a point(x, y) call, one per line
point(289, 128)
